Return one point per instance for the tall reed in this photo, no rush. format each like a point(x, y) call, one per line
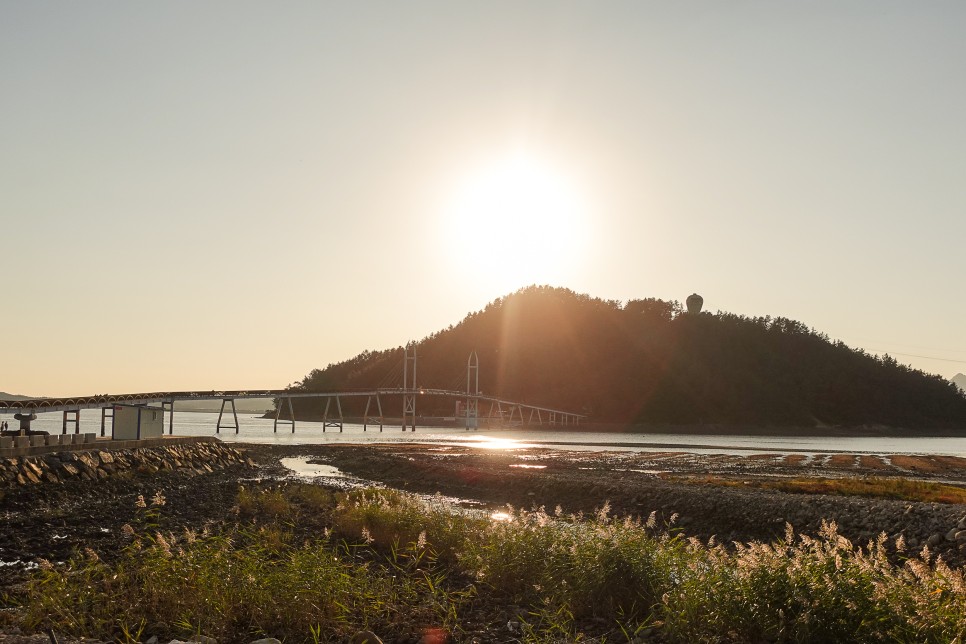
point(388, 560)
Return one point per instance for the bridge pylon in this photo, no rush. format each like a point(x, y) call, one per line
point(409, 387)
point(472, 391)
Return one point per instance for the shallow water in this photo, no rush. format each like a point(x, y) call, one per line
point(302, 468)
point(331, 475)
point(254, 429)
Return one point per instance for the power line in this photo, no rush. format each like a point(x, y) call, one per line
point(913, 355)
point(859, 342)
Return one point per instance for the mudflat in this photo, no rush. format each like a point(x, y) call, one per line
point(723, 496)
point(730, 497)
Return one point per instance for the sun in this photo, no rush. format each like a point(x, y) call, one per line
point(519, 218)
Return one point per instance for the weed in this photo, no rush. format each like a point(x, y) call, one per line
point(876, 487)
point(271, 504)
point(434, 566)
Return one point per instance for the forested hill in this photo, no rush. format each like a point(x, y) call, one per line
point(647, 361)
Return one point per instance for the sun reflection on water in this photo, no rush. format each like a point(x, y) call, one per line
point(505, 517)
point(490, 442)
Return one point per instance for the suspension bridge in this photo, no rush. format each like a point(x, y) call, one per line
point(500, 410)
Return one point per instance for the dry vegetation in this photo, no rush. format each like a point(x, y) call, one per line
point(886, 488)
point(386, 560)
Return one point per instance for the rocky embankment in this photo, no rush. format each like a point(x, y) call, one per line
point(56, 504)
point(103, 463)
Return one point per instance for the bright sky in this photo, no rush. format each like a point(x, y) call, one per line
point(230, 194)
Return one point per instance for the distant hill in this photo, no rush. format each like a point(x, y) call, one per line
point(648, 361)
point(6, 396)
point(960, 380)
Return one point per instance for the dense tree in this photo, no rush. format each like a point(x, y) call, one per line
point(648, 361)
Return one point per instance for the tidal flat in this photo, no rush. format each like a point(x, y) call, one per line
point(695, 505)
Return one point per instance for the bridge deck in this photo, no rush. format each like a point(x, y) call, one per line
point(41, 405)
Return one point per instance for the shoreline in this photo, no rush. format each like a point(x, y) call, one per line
point(710, 429)
point(860, 431)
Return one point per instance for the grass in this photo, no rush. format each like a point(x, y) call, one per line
point(252, 581)
point(397, 564)
point(903, 489)
point(877, 487)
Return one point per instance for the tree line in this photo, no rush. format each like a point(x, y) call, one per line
point(648, 361)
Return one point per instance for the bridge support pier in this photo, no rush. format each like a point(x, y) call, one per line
point(75, 420)
point(104, 417)
point(291, 414)
point(409, 411)
point(168, 406)
point(233, 413)
point(499, 413)
point(325, 415)
point(365, 416)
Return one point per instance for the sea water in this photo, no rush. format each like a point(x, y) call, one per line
point(255, 429)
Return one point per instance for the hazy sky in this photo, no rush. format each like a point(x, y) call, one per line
point(229, 194)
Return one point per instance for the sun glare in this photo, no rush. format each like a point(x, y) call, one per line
point(519, 219)
point(490, 442)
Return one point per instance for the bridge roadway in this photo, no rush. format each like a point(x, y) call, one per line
point(168, 398)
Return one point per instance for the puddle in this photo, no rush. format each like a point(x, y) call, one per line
point(528, 466)
point(545, 455)
point(301, 467)
point(450, 503)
